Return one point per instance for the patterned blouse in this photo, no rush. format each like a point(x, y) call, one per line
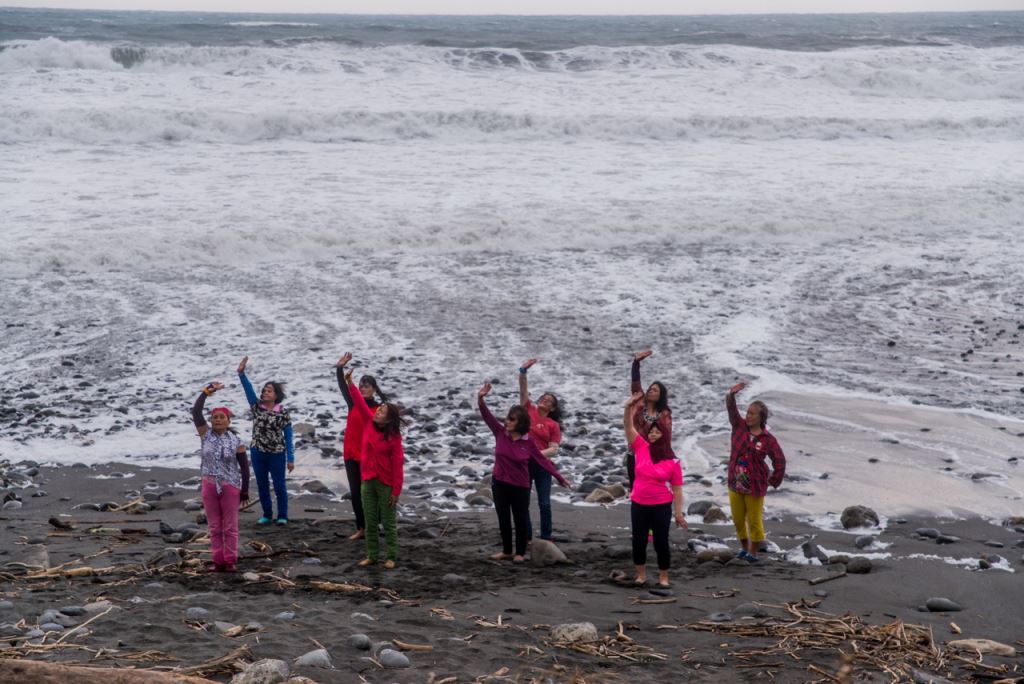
point(220, 462)
point(268, 429)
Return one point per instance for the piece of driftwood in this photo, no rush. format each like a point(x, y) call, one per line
point(895, 649)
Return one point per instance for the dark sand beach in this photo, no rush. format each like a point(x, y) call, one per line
point(457, 616)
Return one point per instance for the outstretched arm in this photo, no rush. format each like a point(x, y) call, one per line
point(197, 408)
point(627, 417)
point(493, 423)
point(358, 400)
point(524, 389)
point(635, 385)
point(730, 404)
point(342, 382)
point(544, 462)
point(250, 393)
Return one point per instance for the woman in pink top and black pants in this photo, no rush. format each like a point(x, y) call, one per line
point(657, 494)
point(514, 451)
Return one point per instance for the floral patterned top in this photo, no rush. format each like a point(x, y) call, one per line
point(220, 462)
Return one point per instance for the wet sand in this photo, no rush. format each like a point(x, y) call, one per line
point(480, 617)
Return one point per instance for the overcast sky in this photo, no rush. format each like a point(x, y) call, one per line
point(535, 6)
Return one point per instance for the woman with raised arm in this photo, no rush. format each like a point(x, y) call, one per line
point(748, 475)
point(225, 479)
point(652, 418)
point(514, 451)
point(353, 443)
point(271, 448)
point(657, 496)
point(546, 433)
point(381, 465)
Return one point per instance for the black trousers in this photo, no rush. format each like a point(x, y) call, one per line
point(631, 468)
point(512, 503)
point(355, 488)
point(658, 520)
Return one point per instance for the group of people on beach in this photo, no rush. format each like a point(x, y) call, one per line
point(526, 442)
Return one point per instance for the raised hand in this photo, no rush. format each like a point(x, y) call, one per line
point(348, 377)
point(213, 387)
point(528, 363)
point(345, 358)
point(640, 356)
point(484, 391)
point(737, 388)
point(242, 364)
point(637, 396)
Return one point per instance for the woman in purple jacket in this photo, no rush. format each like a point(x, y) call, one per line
point(510, 480)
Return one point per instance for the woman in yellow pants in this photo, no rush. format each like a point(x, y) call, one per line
point(748, 476)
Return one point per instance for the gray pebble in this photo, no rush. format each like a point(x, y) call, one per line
point(286, 615)
point(859, 566)
point(946, 539)
point(720, 617)
point(73, 611)
point(6, 605)
point(51, 627)
point(821, 593)
point(311, 561)
point(12, 505)
point(618, 551)
point(393, 659)
point(864, 541)
point(452, 579)
point(9, 630)
point(193, 506)
point(929, 532)
point(359, 641)
point(942, 605)
point(318, 658)
point(195, 612)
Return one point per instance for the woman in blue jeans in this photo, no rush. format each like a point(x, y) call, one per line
point(271, 449)
point(546, 433)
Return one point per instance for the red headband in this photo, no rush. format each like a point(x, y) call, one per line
point(222, 409)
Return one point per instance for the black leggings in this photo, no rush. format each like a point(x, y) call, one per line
point(355, 488)
point(512, 503)
point(657, 519)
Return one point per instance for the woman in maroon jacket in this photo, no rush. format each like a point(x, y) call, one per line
point(652, 418)
point(510, 480)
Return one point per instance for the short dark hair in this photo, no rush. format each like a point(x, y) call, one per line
point(522, 418)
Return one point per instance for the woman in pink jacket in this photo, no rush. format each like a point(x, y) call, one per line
point(657, 495)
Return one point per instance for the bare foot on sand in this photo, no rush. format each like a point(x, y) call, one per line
point(518, 559)
point(389, 565)
point(358, 535)
point(366, 562)
point(501, 556)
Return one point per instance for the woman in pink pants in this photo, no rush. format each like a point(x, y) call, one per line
point(225, 473)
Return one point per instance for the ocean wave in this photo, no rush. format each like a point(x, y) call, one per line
point(265, 24)
point(955, 73)
point(125, 125)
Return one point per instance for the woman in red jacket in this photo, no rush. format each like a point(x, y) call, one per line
point(353, 444)
point(381, 465)
point(748, 475)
